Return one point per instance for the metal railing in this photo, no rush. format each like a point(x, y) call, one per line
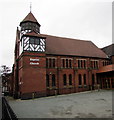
point(7, 112)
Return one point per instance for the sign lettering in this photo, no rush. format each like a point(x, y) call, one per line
point(34, 61)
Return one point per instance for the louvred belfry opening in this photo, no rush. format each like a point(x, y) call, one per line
point(30, 37)
point(29, 24)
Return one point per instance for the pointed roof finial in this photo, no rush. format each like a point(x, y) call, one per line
point(30, 6)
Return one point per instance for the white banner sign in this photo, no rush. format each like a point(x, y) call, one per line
point(34, 61)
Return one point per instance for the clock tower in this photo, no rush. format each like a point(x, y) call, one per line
point(29, 24)
point(31, 60)
point(31, 40)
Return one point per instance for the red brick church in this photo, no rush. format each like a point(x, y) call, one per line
point(50, 65)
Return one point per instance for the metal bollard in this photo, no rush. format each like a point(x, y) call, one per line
point(32, 95)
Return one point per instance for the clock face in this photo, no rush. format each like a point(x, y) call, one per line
point(33, 44)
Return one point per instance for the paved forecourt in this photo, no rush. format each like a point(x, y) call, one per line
point(95, 104)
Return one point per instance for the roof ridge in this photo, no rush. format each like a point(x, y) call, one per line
point(108, 46)
point(30, 17)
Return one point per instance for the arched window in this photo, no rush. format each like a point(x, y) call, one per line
point(81, 63)
point(53, 80)
point(70, 63)
point(70, 79)
point(78, 64)
point(64, 79)
point(66, 63)
point(50, 63)
point(84, 63)
point(47, 80)
point(84, 79)
point(63, 63)
point(97, 64)
point(47, 62)
point(80, 79)
point(53, 62)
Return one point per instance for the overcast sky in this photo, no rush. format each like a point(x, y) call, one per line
point(81, 19)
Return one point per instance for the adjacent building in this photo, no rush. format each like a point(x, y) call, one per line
point(106, 73)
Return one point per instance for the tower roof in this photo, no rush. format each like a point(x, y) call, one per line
point(30, 17)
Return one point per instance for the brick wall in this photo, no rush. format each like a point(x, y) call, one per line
point(32, 72)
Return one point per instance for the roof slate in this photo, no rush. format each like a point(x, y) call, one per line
point(107, 68)
point(109, 50)
point(30, 17)
point(67, 46)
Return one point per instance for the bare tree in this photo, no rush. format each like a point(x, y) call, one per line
point(4, 74)
point(5, 70)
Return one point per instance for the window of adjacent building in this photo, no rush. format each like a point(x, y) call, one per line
point(106, 63)
point(64, 80)
point(47, 80)
point(96, 64)
point(80, 79)
point(53, 80)
point(70, 79)
point(84, 79)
